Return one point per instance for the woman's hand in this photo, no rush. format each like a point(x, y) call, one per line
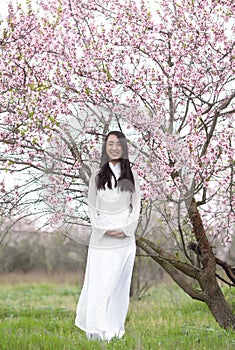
point(115, 233)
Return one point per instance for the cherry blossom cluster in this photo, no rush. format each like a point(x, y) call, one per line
point(163, 69)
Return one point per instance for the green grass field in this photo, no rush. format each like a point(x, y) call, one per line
point(41, 316)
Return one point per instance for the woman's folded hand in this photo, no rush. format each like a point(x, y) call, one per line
point(115, 233)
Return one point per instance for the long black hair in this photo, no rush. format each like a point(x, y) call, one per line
point(126, 180)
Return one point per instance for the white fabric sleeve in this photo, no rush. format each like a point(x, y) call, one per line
point(133, 220)
point(92, 206)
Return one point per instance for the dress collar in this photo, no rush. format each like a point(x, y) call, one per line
point(116, 169)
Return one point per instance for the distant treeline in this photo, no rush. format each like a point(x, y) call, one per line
point(52, 253)
point(34, 252)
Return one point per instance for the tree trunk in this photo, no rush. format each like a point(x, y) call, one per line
point(216, 302)
point(205, 274)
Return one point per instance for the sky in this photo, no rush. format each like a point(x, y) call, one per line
point(3, 6)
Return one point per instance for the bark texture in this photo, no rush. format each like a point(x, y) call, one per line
point(209, 291)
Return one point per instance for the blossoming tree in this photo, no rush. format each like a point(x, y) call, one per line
point(165, 71)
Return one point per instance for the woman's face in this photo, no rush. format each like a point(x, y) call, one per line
point(113, 148)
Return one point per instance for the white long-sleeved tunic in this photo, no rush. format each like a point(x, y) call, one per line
point(104, 300)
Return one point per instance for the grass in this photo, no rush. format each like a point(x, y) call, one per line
point(41, 316)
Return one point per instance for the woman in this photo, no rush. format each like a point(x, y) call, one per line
point(114, 207)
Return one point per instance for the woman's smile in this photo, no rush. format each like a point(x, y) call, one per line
point(113, 148)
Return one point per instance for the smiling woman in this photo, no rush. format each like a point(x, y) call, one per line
point(114, 207)
point(113, 148)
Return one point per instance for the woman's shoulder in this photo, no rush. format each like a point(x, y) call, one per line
point(94, 169)
point(134, 172)
point(94, 173)
point(136, 178)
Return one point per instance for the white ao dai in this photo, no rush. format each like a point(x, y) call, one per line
point(104, 299)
